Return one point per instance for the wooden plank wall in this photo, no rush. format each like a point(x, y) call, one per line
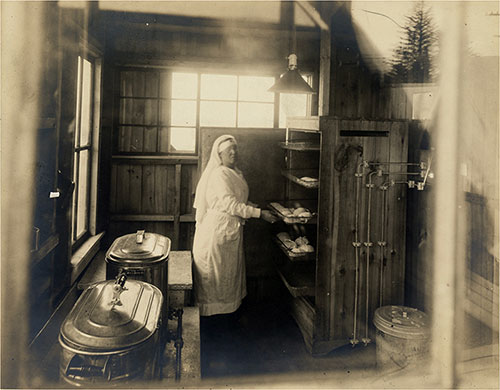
point(153, 195)
point(155, 39)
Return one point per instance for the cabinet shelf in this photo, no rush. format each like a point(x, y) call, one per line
point(301, 146)
point(296, 175)
point(304, 123)
point(299, 282)
point(292, 256)
point(322, 303)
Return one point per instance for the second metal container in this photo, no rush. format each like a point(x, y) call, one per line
point(141, 256)
point(403, 336)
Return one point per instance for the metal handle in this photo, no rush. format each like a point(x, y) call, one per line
point(139, 237)
point(121, 278)
point(118, 288)
point(37, 238)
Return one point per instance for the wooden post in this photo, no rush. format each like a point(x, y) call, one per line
point(324, 73)
point(448, 246)
point(177, 207)
point(22, 24)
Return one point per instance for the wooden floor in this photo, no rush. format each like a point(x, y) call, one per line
point(263, 339)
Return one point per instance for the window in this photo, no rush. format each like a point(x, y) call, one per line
point(160, 111)
point(293, 105)
point(183, 109)
point(236, 101)
point(83, 167)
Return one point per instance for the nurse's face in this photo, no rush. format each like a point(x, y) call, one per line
point(229, 156)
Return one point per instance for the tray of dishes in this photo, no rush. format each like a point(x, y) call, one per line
point(298, 249)
point(303, 177)
point(295, 214)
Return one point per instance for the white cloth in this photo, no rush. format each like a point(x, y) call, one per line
point(200, 201)
point(219, 263)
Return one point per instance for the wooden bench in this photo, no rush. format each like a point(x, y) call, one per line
point(180, 278)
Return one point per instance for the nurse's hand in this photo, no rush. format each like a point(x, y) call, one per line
point(267, 216)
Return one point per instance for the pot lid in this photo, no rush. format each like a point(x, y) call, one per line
point(402, 321)
point(140, 247)
point(107, 317)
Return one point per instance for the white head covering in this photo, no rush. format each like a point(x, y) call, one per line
point(200, 201)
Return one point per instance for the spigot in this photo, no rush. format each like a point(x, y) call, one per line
point(354, 341)
point(411, 183)
point(366, 341)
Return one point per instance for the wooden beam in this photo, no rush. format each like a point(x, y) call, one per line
point(158, 160)
point(259, 30)
point(143, 217)
point(314, 15)
point(323, 20)
point(184, 218)
point(324, 73)
point(177, 206)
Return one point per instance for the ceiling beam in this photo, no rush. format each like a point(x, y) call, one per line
point(313, 14)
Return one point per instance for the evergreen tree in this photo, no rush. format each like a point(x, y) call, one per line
point(413, 57)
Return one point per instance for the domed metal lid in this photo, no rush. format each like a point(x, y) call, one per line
point(139, 248)
point(402, 321)
point(107, 317)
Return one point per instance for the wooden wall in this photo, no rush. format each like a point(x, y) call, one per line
point(66, 35)
point(45, 270)
point(161, 39)
point(51, 261)
point(153, 195)
point(152, 190)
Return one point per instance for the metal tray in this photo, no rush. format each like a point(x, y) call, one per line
point(291, 220)
point(309, 256)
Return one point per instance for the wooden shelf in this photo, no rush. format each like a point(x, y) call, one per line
point(299, 281)
point(309, 256)
point(295, 176)
point(303, 123)
point(301, 146)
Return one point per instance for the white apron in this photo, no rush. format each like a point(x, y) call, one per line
point(219, 264)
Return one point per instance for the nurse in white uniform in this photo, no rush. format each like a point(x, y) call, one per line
point(222, 207)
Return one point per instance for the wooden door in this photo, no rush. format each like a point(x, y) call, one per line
point(361, 225)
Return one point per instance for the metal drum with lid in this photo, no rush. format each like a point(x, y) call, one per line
point(403, 335)
point(142, 256)
point(111, 334)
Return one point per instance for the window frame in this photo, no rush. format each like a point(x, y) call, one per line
point(92, 146)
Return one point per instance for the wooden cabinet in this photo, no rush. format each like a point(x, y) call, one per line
point(359, 231)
